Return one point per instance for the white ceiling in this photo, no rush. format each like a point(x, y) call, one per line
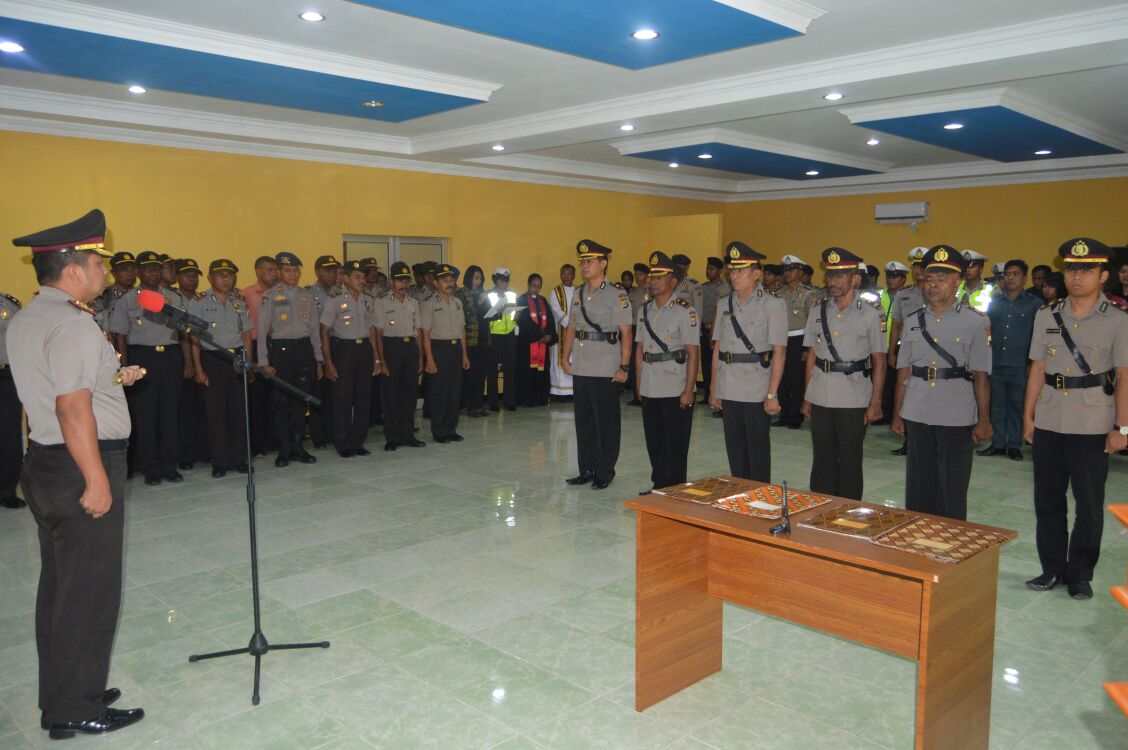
point(559, 115)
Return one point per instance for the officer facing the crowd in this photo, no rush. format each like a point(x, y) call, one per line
point(289, 347)
point(444, 344)
point(845, 340)
point(11, 427)
point(666, 356)
point(144, 340)
point(799, 299)
point(749, 342)
point(321, 417)
point(943, 395)
point(712, 290)
point(401, 359)
point(348, 344)
point(123, 267)
point(69, 379)
point(1076, 414)
point(597, 353)
point(229, 327)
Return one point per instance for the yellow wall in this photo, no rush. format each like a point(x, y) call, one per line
point(697, 236)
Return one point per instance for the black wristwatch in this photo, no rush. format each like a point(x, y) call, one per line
point(625, 368)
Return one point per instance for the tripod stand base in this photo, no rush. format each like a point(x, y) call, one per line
point(257, 648)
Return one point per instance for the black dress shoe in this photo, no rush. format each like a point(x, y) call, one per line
point(389, 447)
point(991, 451)
point(600, 484)
point(719, 414)
point(152, 481)
point(495, 408)
point(305, 458)
point(282, 461)
point(111, 720)
point(647, 492)
point(218, 472)
point(173, 476)
point(414, 443)
point(346, 453)
point(361, 451)
point(186, 465)
point(580, 479)
point(317, 444)
point(634, 402)
point(902, 451)
point(794, 425)
point(511, 408)
point(12, 502)
point(1044, 582)
point(779, 423)
point(1014, 454)
point(1080, 590)
point(242, 468)
point(108, 699)
point(443, 439)
point(455, 437)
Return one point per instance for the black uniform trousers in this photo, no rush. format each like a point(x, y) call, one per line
point(321, 417)
point(748, 439)
point(504, 350)
point(473, 380)
point(376, 407)
point(154, 405)
point(445, 386)
point(399, 390)
point(837, 436)
point(667, 427)
point(11, 435)
point(192, 423)
point(1060, 461)
point(888, 393)
point(707, 358)
point(352, 391)
point(76, 609)
point(262, 427)
point(227, 418)
point(792, 386)
point(939, 469)
point(294, 361)
point(598, 424)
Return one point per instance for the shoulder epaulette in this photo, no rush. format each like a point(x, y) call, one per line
point(918, 310)
point(1057, 306)
point(681, 302)
point(10, 298)
point(1117, 305)
point(618, 285)
point(335, 292)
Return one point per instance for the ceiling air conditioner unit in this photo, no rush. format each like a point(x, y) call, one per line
point(900, 213)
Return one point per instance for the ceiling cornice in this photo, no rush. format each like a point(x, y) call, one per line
point(140, 28)
point(605, 171)
point(794, 14)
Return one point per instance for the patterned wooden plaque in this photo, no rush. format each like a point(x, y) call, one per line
point(704, 491)
point(857, 520)
point(767, 501)
point(939, 541)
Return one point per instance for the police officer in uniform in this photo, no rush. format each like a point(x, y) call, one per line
point(69, 378)
point(909, 297)
point(323, 287)
point(749, 342)
point(845, 340)
point(1076, 415)
point(289, 347)
point(143, 339)
point(401, 359)
point(444, 345)
point(123, 267)
point(666, 357)
point(975, 290)
point(11, 427)
point(688, 289)
point(348, 342)
point(712, 290)
point(943, 394)
point(193, 410)
point(895, 276)
point(229, 326)
point(597, 354)
point(799, 298)
point(638, 296)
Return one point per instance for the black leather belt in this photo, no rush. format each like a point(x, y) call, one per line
point(763, 358)
point(452, 342)
point(846, 368)
point(404, 339)
point(348, 341)
point(103, 445)
point(932, 374)
point(159, 348)
point(1096, 380)
point(610, 337)
point(678, 356)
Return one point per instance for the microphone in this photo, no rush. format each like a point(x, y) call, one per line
point(178, 318)
point(784, 526)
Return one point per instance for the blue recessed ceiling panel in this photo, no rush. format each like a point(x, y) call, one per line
point(601, 29)
point(751, 161)
point(80, 54)
point(994, 132)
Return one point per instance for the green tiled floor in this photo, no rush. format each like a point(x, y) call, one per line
point(474, 601)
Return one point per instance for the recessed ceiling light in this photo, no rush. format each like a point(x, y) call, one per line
point(674, 164)
point(10, 47)
point(833, 96)
point(812, 173)
point(135, 89)
point(1043, 152)
point(311, 15)
point(953, 126)
point(626, 127)
point(373, 103)
point(498, 147)
point(645, 34)
point(704, 156)
point(872, 142)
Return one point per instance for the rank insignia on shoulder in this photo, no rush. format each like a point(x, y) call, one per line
point(81, 306)
point(624, 301)
point(10, 298)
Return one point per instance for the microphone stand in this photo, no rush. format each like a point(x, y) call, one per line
point(784, 526)
point(258, 645)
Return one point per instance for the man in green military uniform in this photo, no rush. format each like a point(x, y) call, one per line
point(799, 298)
point(348, 344)
point(943, 394)
point(597, 353)
point(1076, 415)
point(666, 357)
point(845, 340)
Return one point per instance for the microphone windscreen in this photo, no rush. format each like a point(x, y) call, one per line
point(151, 301)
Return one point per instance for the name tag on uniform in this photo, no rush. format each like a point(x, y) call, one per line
point(915, 328)
point(1053, 330)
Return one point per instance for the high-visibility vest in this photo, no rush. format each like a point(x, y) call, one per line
point(507, 323)
point(980, 299)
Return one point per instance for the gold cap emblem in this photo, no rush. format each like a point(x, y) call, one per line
point(834, 257)
point(734, 252)
point(1079, 249)
point(941, 255)
point(583, 247)
point(654, 259)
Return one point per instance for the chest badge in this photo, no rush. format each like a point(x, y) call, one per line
point(284, 316)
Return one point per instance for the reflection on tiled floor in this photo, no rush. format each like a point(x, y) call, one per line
point(473, 601)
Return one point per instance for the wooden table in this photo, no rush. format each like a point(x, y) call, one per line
point(691, 558)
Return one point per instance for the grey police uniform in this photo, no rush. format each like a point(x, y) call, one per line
point(909, 298)
point(11, 428)
point(1070, 426)
point(445, 322)
point(638, 296)
point(689, 289)
point(321, 417)
point(399, 323)
point(742, 377)
point(192, 419)
point(596, 357)
point(799, 303)
point(840, 390)
point(664, 333)
point(711, 292)
point(939, 412)
point(350, 321)
point(104, 303)
point(289, 339)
